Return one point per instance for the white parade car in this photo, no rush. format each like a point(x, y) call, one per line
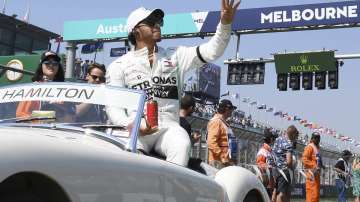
point(57, 145)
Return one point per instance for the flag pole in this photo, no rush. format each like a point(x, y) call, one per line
point(95, 56)
point(4, 7)
point(266, 118)
point(27, 14)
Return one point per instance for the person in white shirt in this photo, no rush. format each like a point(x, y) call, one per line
point(160, 73)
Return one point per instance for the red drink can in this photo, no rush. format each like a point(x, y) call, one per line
point(152, 113)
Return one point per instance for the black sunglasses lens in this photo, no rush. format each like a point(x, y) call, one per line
point(94, 77)
point(53, 63)
point(152, 22)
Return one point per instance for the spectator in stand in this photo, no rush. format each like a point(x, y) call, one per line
point(220, 135)
point(265, 160)
point(187, 105)
point(283, 149)
point(243, 122)
point(343, 176)
point(89, 112)
point(49, 69)
point(84, 69)
point(77, 69)
point(356, 178)
point(313, 164)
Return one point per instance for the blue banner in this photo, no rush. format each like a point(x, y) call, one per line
point(335, 13)
point(290, 16)
point(117, 52)
point(91, 48)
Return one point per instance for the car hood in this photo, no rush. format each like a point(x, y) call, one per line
point(48, 139)
point(82, 164)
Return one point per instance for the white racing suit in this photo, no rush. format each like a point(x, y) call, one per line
point(163, 82)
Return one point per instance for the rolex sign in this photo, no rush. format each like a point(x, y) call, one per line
point(305, 62)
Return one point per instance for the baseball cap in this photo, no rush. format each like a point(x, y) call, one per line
point(141, 14)
point(268, 134)
point(48, 54)
point(315, 135)
point(346, 153)
point(226, 103)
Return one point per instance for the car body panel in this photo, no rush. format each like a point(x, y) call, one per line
point(94, 165)
point(90, 169)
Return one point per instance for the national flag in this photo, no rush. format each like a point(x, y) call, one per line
point(314, 126)
point(321, 130)
point(58, 40)
point(253, 103)
point(303, 121)
point(285, 115)
point(317, 130)
point(246, 100)
point(27, 14)
point(270, 109)
point(235, 95)
point(58, 48)
point(337, 136)
point(278, 113)
point(263, 106)
point(117, 52)
point(92, 47)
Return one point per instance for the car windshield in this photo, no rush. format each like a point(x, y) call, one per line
point(97, 107)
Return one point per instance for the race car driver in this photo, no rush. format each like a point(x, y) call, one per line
point(160, 73)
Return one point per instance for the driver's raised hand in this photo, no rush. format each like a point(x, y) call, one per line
point(228, 11)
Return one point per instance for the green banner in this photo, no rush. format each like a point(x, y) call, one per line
point(116, 27)
point(22, 62)
point(305, 62)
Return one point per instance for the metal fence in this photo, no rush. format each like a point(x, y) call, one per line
point(247, 159)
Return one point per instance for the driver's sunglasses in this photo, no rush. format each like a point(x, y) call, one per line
point(100, 78)
point(151, 23)
point(51, 63)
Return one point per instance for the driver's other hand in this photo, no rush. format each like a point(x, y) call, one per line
point(148, 130)
point(145, 128)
